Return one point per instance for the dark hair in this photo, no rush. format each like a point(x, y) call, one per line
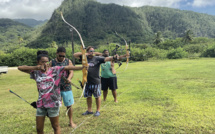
point(88, 48)
point(61, 49)
point(42, 53)
point(104, 51)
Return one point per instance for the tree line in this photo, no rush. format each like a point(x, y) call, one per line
point(168, 49)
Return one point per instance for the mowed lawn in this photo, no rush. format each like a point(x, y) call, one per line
point(170, 96)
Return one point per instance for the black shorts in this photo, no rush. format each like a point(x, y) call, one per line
point(110, 83)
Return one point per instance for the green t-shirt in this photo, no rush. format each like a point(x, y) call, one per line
point(106, 71)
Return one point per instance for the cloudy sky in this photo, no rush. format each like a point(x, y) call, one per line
point(42, 9)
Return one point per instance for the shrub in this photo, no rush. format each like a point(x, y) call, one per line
point(209, 52)
point(195, 48)
point(155, 53)
point(177, 53)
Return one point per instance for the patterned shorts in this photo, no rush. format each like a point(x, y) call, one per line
point(92, 89)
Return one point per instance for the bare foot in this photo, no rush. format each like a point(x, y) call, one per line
point(116, 101)
point(73, 125)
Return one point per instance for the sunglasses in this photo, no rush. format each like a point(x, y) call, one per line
point(91, 51)
point(61, 56)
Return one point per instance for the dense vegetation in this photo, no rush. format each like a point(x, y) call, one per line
point(31, 22)
point(154, 32)
point(97, 22)
point(174, 22)
point(169, 49)
point(12, 34)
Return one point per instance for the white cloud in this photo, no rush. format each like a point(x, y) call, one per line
point(203, 3)
point(43, 9)
point(37, 9)
point(3, 1)
point(138, 3)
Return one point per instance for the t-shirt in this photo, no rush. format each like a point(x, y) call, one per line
point(63, 85)
point(48, 86)
point(94, 69)
point(106, 70)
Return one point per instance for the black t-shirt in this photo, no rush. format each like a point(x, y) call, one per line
point(93, 77)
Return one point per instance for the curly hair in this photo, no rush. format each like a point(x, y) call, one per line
point(42, 53)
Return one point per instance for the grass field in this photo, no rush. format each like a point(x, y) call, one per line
point(171, 96)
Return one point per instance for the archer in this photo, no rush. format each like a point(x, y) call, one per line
point(93, 85)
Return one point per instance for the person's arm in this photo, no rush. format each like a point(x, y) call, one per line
point(97, 54)
point(70, 72)
point(74, 67)
point(50, 63)
point(77, 55)
point(28, 69)
point(112, 68)
point(115, 57)
point(122, 56)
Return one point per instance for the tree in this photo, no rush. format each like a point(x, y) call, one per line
point(158, 38)
point(20, 39)
point(53, 45)
point(188, 36)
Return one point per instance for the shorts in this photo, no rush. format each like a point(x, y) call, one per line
point(110, 83)
point(67, 96)
point(52, 112)
point(92, 89)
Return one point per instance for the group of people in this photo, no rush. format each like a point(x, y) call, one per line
point(54, 83)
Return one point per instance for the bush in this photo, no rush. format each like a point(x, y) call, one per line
point(155, 53)
point(195, 48)
point(209, 52)
point(138, 54)
point(22, 56)
point(170, 44)
point(27, 56)
point(177, 53)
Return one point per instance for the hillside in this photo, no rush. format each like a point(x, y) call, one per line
point(30, 22)
point(97, 22)
point(12, 34)
point(174, 22)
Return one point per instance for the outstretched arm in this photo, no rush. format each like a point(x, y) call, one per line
point(74, 67)
point(112, 58)
point(77, 55)
point(98, 54)
point(115, 57)
point(28, 69)
point(123, 56)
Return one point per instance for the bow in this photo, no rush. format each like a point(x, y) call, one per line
point(84, 58)
point(114, 52)
point(64, 78)
point(127, 50)
point(83, 50)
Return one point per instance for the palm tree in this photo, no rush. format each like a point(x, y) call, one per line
point(53, 45)
point(20, 39)
point(158, 38)
point(188, 37)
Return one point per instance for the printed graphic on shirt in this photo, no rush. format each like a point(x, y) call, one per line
point(48, 86)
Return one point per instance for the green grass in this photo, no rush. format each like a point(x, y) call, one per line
point(171, 96)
